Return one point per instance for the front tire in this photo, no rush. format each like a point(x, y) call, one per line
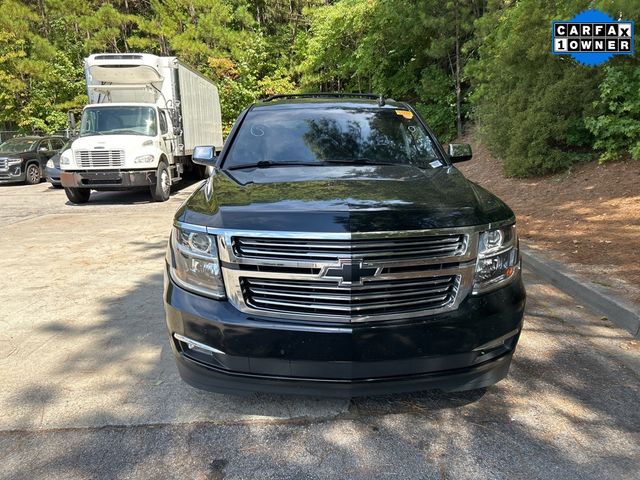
point(33, 174)
point(161, 191)
point(78, 195)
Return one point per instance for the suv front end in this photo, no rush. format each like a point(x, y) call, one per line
point(342, 280)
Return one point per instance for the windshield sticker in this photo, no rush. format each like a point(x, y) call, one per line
point(436, 164)
point(405, 113)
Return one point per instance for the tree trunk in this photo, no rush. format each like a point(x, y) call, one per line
point(457, 74)
point(43, 15)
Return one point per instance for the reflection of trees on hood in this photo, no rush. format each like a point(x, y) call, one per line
point(410, 186)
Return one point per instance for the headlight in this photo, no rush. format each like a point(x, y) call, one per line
point(194, 262)
point(50, 164)
point(65, 158)
point(498, 259)
point(14, 161)
point(144, 159)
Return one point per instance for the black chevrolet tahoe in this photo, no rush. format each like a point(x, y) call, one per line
point(336, 251)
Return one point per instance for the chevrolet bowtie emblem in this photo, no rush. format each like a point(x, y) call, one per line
point(349, 272)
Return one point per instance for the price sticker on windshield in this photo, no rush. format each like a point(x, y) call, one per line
point(405, 114)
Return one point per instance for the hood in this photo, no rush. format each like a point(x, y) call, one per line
point(341, 199)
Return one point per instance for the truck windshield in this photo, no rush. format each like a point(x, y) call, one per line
point(118, 120)
point(318, 136)
point(18, 145)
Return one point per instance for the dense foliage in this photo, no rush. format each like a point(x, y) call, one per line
point(486, 61)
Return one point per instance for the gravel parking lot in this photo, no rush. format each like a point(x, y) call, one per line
point(89, 388)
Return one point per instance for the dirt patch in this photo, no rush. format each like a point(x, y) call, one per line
point(588, 218)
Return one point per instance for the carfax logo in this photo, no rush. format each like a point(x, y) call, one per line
point(592, 37)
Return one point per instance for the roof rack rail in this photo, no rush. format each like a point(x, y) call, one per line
point(373, 96)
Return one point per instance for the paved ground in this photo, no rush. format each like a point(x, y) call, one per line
point(89, 389)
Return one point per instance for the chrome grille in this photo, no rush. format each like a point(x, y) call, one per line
point(99, 158)
point(328, 299)
point(4, 163)
point(347, 277)
point(435, 246)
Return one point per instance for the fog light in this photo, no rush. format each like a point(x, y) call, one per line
point(197, 346)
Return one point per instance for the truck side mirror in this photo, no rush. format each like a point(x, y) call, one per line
point(204, 155)
point(459, 152)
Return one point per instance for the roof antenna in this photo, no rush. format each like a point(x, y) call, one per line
point(381, 101)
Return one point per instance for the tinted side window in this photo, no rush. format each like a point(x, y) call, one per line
point(56, 143)
point(44, 144)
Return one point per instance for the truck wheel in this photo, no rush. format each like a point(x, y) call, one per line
point(162, 189)
point(33, 174)
point(78, 195)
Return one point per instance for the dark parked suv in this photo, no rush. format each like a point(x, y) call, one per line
point(23, 159)
point(336, 251)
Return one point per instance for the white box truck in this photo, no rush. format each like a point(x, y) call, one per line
point(145, 115)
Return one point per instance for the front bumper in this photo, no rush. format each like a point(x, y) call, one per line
point(108, 179)
point(13, 173)
point(53, 175)
point(464, 349)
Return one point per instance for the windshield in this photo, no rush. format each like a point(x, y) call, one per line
point(317, 136)
point(118, 121)
point(17, 145)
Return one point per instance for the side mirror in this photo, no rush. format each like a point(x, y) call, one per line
point(459, 152)
point(204, 155)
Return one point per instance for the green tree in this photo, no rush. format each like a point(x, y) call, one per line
point(412, 50)
point(616, 123)
point(37, 81)
point(531, 105)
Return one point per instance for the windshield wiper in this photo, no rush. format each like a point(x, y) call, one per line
point(359, 161)
point(86, 134)
point(270, 163)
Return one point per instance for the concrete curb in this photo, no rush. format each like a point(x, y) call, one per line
point(624, 314)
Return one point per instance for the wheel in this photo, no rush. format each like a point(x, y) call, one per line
point(34, 175)
point(78, 195)
point(162, 189)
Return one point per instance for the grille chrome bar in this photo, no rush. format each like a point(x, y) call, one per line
point(330, 302)
point(99, 158)
point(319, 286)
point(316, 306)
point(398, 249)
point(376, 297)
